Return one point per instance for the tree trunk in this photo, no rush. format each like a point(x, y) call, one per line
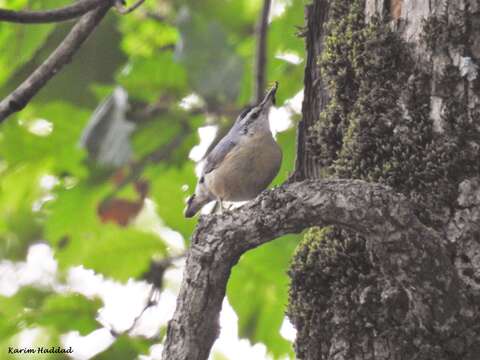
point(392, 95)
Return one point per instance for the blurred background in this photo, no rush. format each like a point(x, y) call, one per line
point(95, 171)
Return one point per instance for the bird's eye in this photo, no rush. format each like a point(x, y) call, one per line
point(202, 180)
point(255, 114)
point(245, 112)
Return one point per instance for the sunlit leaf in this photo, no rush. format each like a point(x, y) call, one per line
point(46, 134)
point(145, 38)
point(261, 277)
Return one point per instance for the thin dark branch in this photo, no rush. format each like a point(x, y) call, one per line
point(407, 252)
point(157, 269)
point(155, 16)
point(152, 300)
point(141, 111)
point(40, 17)
point(127, 10)
point(261, 54)
point(62, 55)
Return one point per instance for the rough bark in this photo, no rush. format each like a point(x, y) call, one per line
point(315, 94)
point(394, 100)
point(408, 252)
point(396, 276)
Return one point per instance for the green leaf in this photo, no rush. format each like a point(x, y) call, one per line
point(79, 237)
point(19, 189)
point(214, 68)
point(289, 77)
point(144, 37)
point(32, 307)
point(125, 348)
point(149, 78)
point(16, 311)
point(260, 277)
point(283, 30)
point(67, 312)
point(236, 16)
point(19, 43)
point(155, 134)
point(167, 183)
point(283, 38)
point(287, 141)
point(58, 150)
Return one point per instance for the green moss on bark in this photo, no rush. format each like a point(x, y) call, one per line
point(324, 272)
point(338, 295)
point(343, 45)
point(378, 127)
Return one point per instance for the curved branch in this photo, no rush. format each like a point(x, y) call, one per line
point(408, 252)
point(40, 17)
point(62, 55)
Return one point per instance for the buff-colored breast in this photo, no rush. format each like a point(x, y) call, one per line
point(247, 169)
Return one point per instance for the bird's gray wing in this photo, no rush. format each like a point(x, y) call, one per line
point(216, 156)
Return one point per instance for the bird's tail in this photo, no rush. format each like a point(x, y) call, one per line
point(194, 204)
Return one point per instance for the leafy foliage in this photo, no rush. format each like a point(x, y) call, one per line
point(262, 279)
point(51, 190)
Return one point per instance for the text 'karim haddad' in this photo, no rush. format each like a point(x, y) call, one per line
point(40, 350)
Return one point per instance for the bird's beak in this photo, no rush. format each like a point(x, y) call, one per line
point(269, 99)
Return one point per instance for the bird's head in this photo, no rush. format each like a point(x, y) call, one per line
point(255, 118)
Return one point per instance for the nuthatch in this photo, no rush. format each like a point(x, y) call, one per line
point(243, 163)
